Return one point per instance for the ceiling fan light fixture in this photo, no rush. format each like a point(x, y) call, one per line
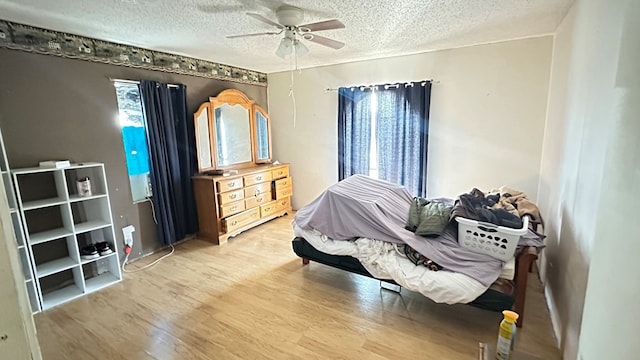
point(285, 48)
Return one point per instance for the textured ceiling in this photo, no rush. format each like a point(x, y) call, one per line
point(374, 29)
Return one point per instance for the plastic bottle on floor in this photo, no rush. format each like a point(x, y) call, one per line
point(506, 335)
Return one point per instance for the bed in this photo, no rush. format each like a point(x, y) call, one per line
point(357, 225)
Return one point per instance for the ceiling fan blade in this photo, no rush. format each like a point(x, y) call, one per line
point(334, 44)
point(254, 34)
point(265, 20)
point(323, 25)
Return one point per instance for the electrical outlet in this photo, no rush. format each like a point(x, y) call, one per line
point(127, 231)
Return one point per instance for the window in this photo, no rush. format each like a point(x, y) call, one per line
point(383, 132)
point(134, 137)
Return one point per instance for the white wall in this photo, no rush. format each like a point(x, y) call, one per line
point(487, 116)
point(610, 327)
point(589, 176)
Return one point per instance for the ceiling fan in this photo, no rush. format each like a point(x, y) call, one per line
point(289, 19)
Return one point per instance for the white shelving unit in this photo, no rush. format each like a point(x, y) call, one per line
point(57, 223)
point(16, 219)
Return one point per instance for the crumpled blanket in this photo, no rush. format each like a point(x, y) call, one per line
point(360, 206)
point(516, 202)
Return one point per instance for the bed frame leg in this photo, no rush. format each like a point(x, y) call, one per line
point(305, 261)
point(522, 273)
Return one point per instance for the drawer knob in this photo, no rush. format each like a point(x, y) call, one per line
point(284, 183)
point(258, 177)
point(257, 192)
point(267, 209)
point(259, 200)
point(234, 223)
point(234, 208)
point(231, 183)
point(233, 196)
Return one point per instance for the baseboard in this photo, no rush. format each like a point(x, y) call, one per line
point(553, 313)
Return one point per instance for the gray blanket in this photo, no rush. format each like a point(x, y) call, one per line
point(360, 206)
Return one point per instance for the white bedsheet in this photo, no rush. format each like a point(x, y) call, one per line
point(384, 262)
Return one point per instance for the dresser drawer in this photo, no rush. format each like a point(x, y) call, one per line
point(257, 200)
point(268, 209)
point(231, 196)
point(257, 178)
point(231, 208)
point(283, 204)
point(237, 221)
point(283, 193)
point(280, 172)
point(228, 185)
point(257, 190)
point(283, 183)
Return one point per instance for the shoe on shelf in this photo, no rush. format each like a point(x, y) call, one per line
point(89, 252)
point(103, 248)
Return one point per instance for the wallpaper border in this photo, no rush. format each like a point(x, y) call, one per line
point(42, 41)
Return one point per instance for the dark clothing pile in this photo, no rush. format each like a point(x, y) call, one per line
point(420, 259)
point(476, 206)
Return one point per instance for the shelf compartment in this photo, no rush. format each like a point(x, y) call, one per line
point(90, 211)
point(26, 264)
point(91, 225)
point(101, 272)
point(100, 281)
point(57, 297)
point(33, 296)
point(17, 228)
point(76, 197)
point(95, 173)
point(49, 235)
point(42, 203)
point(55, 266)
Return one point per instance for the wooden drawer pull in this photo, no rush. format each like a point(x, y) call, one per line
point(234, 208)
point(259, 199)
point(267, 209)
point(233, 196)
point(257, 192)
point(234, 223)
point(231, 183)
point(258, 177)
point(280, 173)
point(284, 183)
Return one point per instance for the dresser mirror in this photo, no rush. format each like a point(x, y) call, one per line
point(203, 143)
point(232, 132)
point(262, 135)
point(233, 135)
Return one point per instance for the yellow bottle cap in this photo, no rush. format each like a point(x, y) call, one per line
point(510, 316)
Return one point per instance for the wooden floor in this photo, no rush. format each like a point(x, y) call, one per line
point(252, 299)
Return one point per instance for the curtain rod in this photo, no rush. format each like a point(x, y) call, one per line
point(137, 82)
point(423, 83)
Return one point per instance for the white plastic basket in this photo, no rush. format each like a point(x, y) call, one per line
point(486, 238)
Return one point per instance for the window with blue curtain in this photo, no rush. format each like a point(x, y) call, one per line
point(134, 138)
point(383, 132)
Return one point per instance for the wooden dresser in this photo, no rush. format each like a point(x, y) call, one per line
point(229, 205)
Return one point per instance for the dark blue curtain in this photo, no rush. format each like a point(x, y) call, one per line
point(354, 131)
point(171, 144)
point(402, 134)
